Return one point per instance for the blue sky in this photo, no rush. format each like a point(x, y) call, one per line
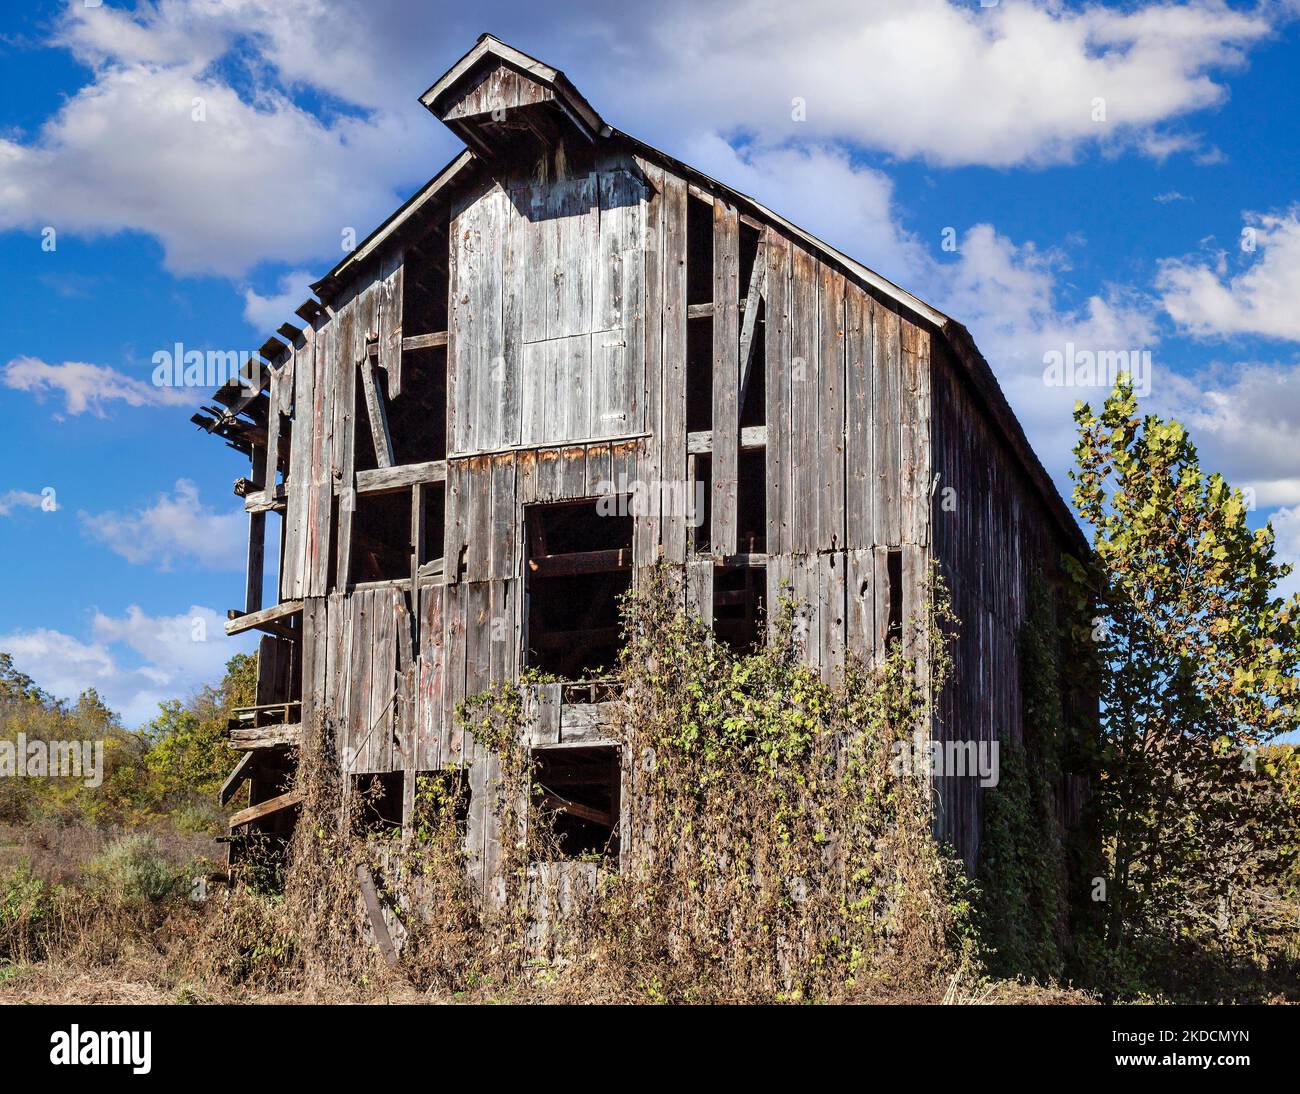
point(199, 162)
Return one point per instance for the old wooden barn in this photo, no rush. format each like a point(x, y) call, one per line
point(502, 406)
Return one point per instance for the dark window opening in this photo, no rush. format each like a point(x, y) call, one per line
point(739, 605)
point(753, 410)
point(381, 537)
point(417, 418)
point(894, 571)
point(579, 565)
point(435, 521)
point(424, 284)
point(699, 251)
point(699, 375)
point(751, 501)
point(748, 253)
point(363, 441)
point(272, 555)
point(379, 802)
point(441, 798)
point(700, 469)
point(576, 791)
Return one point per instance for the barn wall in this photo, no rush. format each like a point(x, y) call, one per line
point(567, 362)
point(991, 529)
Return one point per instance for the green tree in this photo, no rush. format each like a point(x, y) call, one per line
point(1200, 666)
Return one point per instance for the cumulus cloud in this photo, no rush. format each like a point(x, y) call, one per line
point(224, 177)
point(1245, 419)
point(268, 312)
point(1253, 292)
point(25, 499)
point(134, 661)
point(953, 84)
point(1286, 539)
point(87, 388)
point(174, 527)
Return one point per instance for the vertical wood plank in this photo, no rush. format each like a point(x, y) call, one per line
point(726, 376)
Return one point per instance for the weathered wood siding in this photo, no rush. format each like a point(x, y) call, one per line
point(991, 530)
point(566, 378)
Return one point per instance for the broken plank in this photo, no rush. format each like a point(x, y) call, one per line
point(266, 808)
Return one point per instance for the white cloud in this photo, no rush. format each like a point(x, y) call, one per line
point(23, 499)
point(158, 142)
point(822, 191)
point(176, 526)
point(1245, 420)
point(1010, 298)
point(1286, 539)
point(268, 312)
point(87, 388)
point(1207, 298)
point(953, 84)
point(134, 661)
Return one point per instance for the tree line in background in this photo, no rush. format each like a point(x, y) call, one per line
point(167, 773)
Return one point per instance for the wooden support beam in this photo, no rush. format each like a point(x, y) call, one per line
point(400, 477)
point(424, 341)
point(726, 377)
point(241, 771)
point(256, 551)
point(576, 809)
point(378, 418)
point(581, 562)
point(265, 619)
point(757, 286)
point(245, 738)
point(266, 808)
point(701, 443)
point(375, 912)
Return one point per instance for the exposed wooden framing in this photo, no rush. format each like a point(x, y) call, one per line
point(726, 376)
point(757, 281)
point(272, 736)
point(377, 480)
point(577, 809)
point(751, 437)
point(235, 779)
point(424, 341)
point(254, 570)
point(266, 808)
point(263, 619)
point(581, 562)
point(378, 416)
point(375, 912)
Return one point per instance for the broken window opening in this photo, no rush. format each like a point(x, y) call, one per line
point(378, 809)
point(579, 565)
point(425, 284)
point(753, 410)
point(417, 418)
point(699, 251)
point(699, 374)
point(576, 791)
point(441, 797)
point(381, 537)
point(363, 441)
point(739, 606)
point(894, 575)
point(699, 468)
point(749, 237)
point(435, 522)
point(272, 554)
point(751, 501)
